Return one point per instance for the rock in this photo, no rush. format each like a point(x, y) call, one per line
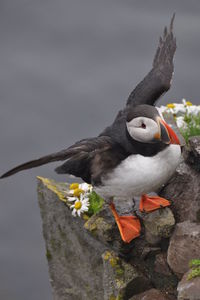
point(103, 227)
point(121, 280)
point(152, 294)
point(184, 246)
point(160, 265)
point(158, 224)
point(183, 189)
point(74, 256)
point(74, 248)
point(149, 251)
point(192, 152)
point(152, 262)
point(189, 289)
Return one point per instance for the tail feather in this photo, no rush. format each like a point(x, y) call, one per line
point(61, 155)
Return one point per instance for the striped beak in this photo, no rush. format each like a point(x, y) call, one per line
point(166, 134)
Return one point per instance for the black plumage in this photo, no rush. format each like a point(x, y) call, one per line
point(93, 157)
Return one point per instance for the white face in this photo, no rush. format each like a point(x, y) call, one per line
point(143, 129)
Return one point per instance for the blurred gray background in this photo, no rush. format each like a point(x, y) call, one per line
point(66, 68)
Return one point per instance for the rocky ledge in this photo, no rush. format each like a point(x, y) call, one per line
point(88, 260)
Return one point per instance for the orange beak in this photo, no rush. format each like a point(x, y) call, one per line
point(166, 134)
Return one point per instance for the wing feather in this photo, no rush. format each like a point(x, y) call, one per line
point(158, 80)
point(77, 152)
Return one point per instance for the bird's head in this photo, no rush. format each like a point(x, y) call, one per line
point(145, 125)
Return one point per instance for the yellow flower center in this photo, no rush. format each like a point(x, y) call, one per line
point(171, 105)
point(188, 103)
point(74, 186)
point(78, 192)
point(77, 205)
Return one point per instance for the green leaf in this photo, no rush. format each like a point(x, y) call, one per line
point(195, 271)
point(96, 203)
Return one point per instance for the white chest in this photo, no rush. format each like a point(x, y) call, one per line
point(138, 174)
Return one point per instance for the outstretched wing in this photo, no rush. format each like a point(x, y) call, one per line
point(158, 80)
point(95, 157)
point(61, 155)
point(87, 159)
point(81, 162)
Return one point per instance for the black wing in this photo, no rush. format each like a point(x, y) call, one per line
point(93, 158)
point(80, 162)
point(87, 159)
point(158, 80)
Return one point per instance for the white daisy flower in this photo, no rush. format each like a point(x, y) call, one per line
point(80, 206)
point(71, 199)
point(87, 188)
point(179, 109)
point(193, 110)
point(181, 123)
point(76, 192)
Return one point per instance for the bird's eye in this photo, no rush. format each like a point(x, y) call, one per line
point(143, 125)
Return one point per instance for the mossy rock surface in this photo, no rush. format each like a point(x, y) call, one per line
point(121, 279)
point(74, 256)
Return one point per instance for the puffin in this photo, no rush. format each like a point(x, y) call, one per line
point(136, 154)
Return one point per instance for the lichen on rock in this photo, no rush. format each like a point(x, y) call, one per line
point(121, 279)
point(158, 225)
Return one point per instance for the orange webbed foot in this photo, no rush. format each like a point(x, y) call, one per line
point(129, 226)
point(150, 203)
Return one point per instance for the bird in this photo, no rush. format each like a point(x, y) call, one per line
point(136, 154)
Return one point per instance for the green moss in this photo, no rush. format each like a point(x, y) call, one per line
point(97, 225)
point(112, 297)
point(91, 227)
point(113, 261)
point(54, 187)
point(194, 263)
point(107, 255)
point(48, 255)
point(119, 297)
point(119, 272)
point(194, 273)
